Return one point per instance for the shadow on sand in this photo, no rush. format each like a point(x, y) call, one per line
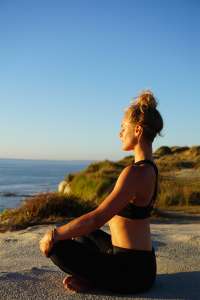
point(183, 285)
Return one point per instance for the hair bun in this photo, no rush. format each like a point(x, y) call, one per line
point(146, 100)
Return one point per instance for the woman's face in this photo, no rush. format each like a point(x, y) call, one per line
point(127, 135)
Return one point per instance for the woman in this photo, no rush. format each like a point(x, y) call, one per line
point(124, 261)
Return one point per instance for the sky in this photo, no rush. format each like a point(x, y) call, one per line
point(69, 68)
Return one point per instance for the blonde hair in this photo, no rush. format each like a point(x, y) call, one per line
point(143, 112)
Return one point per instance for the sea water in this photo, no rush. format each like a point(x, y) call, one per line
point(21, 178)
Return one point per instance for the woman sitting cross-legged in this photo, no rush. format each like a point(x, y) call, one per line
point(123, 261)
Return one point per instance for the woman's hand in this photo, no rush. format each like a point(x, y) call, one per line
point(46, 243)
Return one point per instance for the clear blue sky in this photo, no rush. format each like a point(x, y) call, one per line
point(69, 68)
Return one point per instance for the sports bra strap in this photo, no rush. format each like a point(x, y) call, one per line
point(156, 170)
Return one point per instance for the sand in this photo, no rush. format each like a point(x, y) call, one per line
point(26, 274)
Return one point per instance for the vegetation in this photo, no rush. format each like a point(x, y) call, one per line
point(175, 191)
point(43, 208)
point(179, 187)
point(96, 181)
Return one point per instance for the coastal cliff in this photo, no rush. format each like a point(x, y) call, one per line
point(80, 192)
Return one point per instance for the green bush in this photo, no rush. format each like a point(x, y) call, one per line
point(84, 186)
point(105, 187)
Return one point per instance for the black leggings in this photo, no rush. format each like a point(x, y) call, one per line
point(112, 268)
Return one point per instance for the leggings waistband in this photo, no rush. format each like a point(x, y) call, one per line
point(117, 249)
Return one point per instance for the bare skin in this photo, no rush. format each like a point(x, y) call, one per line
point(76, 284)
point(125, 232)
point(135, 233)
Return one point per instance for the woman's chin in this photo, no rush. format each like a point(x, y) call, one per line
point(127, 148)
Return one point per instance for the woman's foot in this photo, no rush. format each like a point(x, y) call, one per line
point(76, 284)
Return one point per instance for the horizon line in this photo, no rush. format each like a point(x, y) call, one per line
point(47, 159)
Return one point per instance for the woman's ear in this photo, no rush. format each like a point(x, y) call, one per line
point(138, 130)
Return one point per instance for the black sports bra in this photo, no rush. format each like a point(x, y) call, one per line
point(132, 211)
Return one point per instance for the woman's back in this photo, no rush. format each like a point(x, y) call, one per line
point(128, 231)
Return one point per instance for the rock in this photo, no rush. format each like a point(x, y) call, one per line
point(64, 187)
point(67, 189)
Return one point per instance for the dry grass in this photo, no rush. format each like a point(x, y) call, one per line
point(43, 208)
point(178, 191)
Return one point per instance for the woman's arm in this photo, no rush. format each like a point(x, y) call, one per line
point(80, 226)
point(122, 193)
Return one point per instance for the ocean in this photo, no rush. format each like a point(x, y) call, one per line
point(20, 178)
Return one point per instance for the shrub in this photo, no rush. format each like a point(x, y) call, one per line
point(177, 149)
point(105, 187)
point(164, 150)
point(69, 177)
point(184, 164)
point(44, 207)
point(194, 198)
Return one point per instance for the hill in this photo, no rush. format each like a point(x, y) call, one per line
point(179, 167)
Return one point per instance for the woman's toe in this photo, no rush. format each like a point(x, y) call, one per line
point(76, 284)
point(65, 280)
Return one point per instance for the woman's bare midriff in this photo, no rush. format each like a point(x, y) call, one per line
point(130, 233)
point(135, 233)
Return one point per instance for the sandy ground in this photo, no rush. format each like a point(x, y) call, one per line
point(26, 274)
